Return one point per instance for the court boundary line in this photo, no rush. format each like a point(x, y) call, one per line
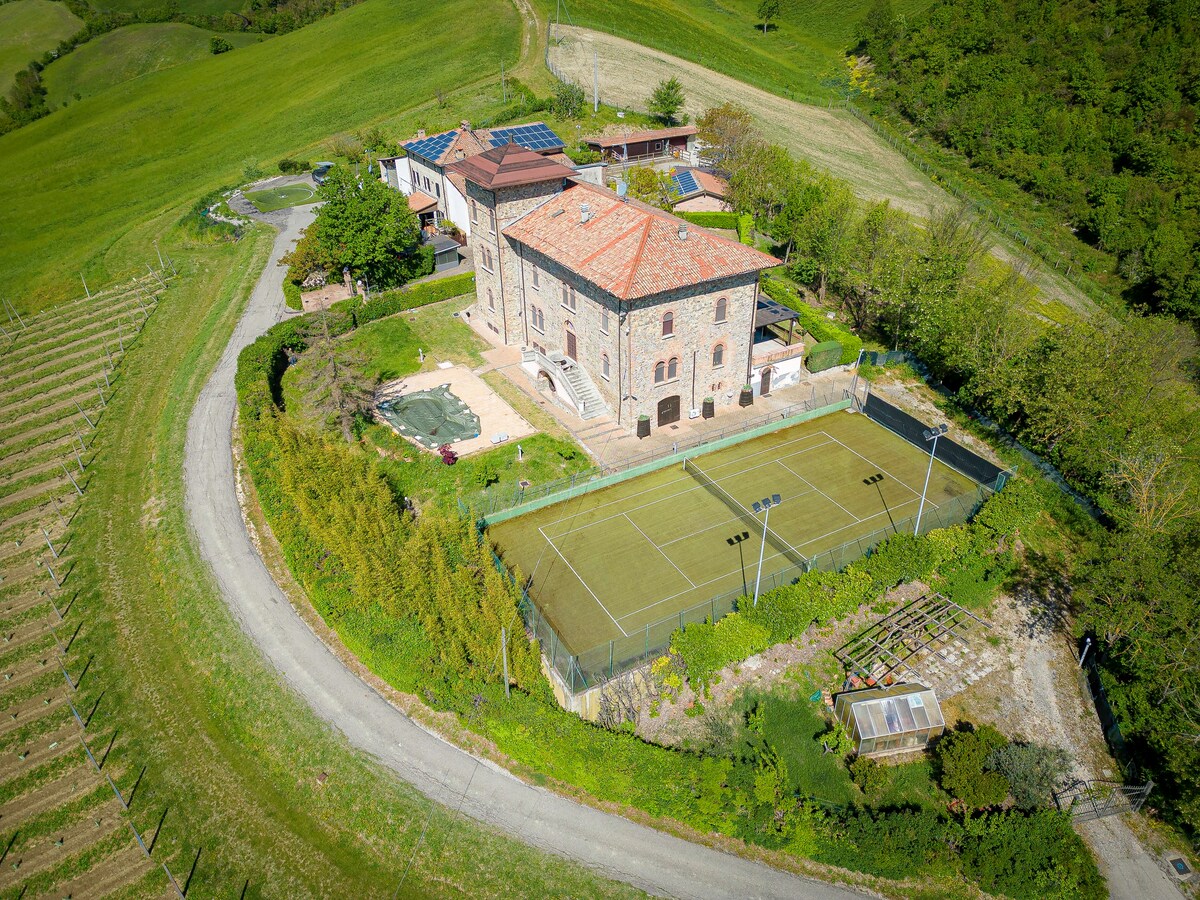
point(586, 586)
point(818, 490)
point(659, 549)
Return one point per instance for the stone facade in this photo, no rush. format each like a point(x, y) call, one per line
point(528, 299)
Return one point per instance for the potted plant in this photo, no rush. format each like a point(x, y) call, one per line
point(643, 426)
point(747, 395)
point(710, 407)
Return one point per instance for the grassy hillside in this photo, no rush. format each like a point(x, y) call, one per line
point(128, 53)
point(28, 28)
point(129, 162)
point(191, 7)
point(801, 48)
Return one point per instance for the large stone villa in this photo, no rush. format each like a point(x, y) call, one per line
point(620, 308)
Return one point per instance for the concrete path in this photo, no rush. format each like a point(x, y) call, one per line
point(648, 859)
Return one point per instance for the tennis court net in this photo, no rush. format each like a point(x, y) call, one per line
point(777, 543)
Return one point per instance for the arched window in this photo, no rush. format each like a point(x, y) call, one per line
point(668, 324)
point(491, 301)
point(660, 372)
point(673, 368)
point(722, 310)
point(718, 356)
point(604, 365)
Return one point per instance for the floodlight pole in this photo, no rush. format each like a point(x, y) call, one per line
point(854, 383)
point(931, 434)
point(764, 506)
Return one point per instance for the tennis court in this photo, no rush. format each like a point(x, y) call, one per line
point(605, 565)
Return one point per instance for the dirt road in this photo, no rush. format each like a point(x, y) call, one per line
point(647, 859)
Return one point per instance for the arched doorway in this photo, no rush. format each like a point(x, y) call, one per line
point(765, 383)
point(668, 410)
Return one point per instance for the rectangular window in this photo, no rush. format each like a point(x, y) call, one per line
point(536, 285)
point(568, 297)
point(492, 220)
point(486, 262)
point(474, 213)
point(604, 319)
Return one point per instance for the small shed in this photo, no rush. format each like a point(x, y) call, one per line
point(890, 720)
point(445, 252)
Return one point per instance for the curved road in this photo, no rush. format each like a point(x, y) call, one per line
point(648, 859)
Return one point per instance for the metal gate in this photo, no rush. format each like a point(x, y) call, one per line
point(1087, 800)
point(668, 410)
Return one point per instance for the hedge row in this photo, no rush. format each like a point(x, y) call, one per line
point(745, 229)
point(813, 321)
point(743, 225)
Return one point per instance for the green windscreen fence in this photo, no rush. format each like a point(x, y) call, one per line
point(824, 355)
point(431, 418)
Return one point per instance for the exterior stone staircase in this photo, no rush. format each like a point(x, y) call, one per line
point(572, 380)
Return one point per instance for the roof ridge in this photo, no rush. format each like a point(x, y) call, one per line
point(637, 258)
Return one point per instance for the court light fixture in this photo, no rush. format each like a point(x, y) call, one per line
point(931, 434)
point(764, 506)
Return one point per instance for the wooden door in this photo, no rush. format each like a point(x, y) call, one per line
point(765, 386)
point(571, 348)
point(668, 410)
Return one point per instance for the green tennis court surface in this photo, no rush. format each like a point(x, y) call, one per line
point(609, 563)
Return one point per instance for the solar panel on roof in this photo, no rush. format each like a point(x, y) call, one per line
point(685, 182)
point(531, 137)
point(431, 147)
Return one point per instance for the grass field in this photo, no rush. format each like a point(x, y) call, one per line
point(28, 28)
point(611, 563)
point(128, 53)
point(282, 197)
point(128, 163)
point(792, 59)
point(192, 7)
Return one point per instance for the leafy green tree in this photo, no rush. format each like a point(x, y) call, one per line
point(219, 45)
point(825, 234)
point(568, 100)
point(666, 101)
point(725, 130)
point(962, 760)
point(1032, 771)
point(651, 186)
point(367, 226)
point(759, 178)
point(768, 12)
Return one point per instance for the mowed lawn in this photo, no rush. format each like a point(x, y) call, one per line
point(128, 53)
point(282, 197)
point(28, 28)
point(627, 560)
point(800, 50)
point(90, 186)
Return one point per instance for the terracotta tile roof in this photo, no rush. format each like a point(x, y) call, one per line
point(658, 134)
point(458, 181)
point(509, 166)
point(420, 203)
point(718, 187)
point(627, 248)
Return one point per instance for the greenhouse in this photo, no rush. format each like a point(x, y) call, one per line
point(890, 720)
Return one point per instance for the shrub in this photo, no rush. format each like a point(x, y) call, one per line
point(745, 229)
point(219, 45)
point(1029, 857)
point(891, 844)
point(706, 649)
point(963, 756)
point(1032, 771)
point(824, 355)
point(726, 220)
point(290, 166)
point(868, 775)
point(568, 100)
point(291, 295)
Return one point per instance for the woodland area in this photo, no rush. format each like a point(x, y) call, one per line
point(1090, 108)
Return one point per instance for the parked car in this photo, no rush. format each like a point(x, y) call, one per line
point(321, 172)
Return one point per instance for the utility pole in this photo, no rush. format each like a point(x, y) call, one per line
point(85, 287)
point(504, 653)
point(595, 81)
point(503, 83)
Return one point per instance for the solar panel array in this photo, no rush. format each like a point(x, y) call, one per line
point(431, 147)
point(685, 182)
point(531, 137)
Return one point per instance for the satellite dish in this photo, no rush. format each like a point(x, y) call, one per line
point(622, 188)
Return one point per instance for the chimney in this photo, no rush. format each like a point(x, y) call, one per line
point(420, 134)
point(466, 124)
point(458, 154)
point(585, 212)
point(683, 231)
